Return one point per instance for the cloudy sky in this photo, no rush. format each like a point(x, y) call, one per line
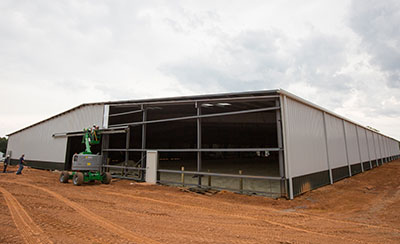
point(342, 55)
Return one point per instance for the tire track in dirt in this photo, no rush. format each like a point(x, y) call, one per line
point(31, 233)
point(286, 226)
point(96, 218)
point(122, 230)
point(202, 223)
point(281, 212)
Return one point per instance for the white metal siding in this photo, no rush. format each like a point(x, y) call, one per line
point(371, 146)
point(336, 142)
point(377, 147)
point(384, 146)
point(305, 139)
point(362, 138)
point(393, 148)
point(352, 143)
point(381, 149)
point(37, 142)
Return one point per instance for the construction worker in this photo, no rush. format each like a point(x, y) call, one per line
point(6, 161)
point(21, 164)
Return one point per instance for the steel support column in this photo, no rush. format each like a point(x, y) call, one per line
point(280, 145)
point(198, 107)
point(143, 163)
point(105, 141)
point(128, 137)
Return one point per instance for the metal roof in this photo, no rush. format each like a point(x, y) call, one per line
point(194, 97)
point(55, 116)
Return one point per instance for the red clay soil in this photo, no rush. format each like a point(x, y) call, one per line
point(36, 208)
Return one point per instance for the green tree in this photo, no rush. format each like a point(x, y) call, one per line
point(3, 144)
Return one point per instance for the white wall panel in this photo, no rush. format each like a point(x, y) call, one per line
point(305, 139)
point(352, 143)
point(393, 149)
point(377, 146)
point(336, 142)
point(381, 149)
point(362, 138)
point(371, 145)
point(384, 146)
point(37, 142)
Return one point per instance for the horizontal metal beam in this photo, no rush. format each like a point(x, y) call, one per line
point(270, 193)
point(199, 116)
point(125, 177)
point(122, 150)
point(220, 175)
point(227, 99)
point(125, 113)
point(113, 130)
point(122, 167)
point(197, 150)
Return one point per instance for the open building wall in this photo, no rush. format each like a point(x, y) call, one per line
point(218, 135)
point(41, 149)
point(322, 147)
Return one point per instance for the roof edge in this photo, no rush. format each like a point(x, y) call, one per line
point(55, 116)
point(311, 104)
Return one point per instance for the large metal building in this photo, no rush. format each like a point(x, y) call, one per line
point(265, 142)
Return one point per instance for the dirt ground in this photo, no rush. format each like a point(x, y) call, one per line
point(36, 208)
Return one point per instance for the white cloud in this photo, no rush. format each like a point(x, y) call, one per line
point(343, 55)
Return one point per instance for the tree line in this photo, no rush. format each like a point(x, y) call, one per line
point(3, 144)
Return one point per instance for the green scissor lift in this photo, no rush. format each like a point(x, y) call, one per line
point(86, 166)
